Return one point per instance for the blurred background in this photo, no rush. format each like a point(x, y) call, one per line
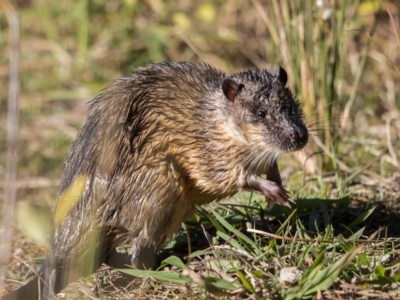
point(342, 58)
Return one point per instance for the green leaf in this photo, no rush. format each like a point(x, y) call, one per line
point(325, 278)
point(396, 276)
point(305, 254)
point(363, 259)
point(316, 279)
point(220, 283)
point(380, 271)
point(257, 273)
point(286, 223)
point(243, 238)
point(231, 241)
point(357, 234)
point(201, 252)
point(174, 261)
point(160, 275)
point(315, 267)
point(211, 218)
point(247, 285)
point(361, 218)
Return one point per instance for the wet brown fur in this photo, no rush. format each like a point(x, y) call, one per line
point(154, 145)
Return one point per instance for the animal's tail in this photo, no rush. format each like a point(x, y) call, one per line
point(49, 281)
point(30, 290)
point(57, 277)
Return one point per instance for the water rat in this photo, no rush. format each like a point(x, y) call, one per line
point(155, 144)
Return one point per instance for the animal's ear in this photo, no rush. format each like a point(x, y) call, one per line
point(281, 75)
point(231, 88)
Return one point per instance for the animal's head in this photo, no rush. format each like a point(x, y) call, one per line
point(266, 111)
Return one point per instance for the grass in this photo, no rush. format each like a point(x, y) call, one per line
point(342, 237)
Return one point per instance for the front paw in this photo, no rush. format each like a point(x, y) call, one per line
point(275, 194)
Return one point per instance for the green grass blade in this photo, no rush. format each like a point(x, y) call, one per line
point(361, 218)
point(250, 243)
point(247, 285)
point(174, 261)
point(160, 275)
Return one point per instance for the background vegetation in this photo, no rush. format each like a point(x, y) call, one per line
point(343, 60)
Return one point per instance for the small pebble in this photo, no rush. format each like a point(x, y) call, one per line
point(290, 276)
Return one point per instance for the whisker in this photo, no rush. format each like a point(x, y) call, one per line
point(272, 158)
point(267, 158)
point(318, 141)
point(257, 161)
point(317, 129)
point(320, 108)
point(330, 120)
point(250, 159)
point(261, 158)
point(322, 123)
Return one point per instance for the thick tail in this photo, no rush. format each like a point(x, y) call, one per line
point(49, 282)
point(54, 277)
point(30, 290)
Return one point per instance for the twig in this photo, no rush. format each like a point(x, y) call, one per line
point(12, 135)
point(349, 104)
point(32, 183)
point(392, 152)
point(316, 240)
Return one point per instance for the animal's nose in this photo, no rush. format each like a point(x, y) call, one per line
point(299, 135)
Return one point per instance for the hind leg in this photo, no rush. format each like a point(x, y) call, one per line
point(144, 258)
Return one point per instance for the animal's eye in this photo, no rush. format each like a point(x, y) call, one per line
point(261, 114)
